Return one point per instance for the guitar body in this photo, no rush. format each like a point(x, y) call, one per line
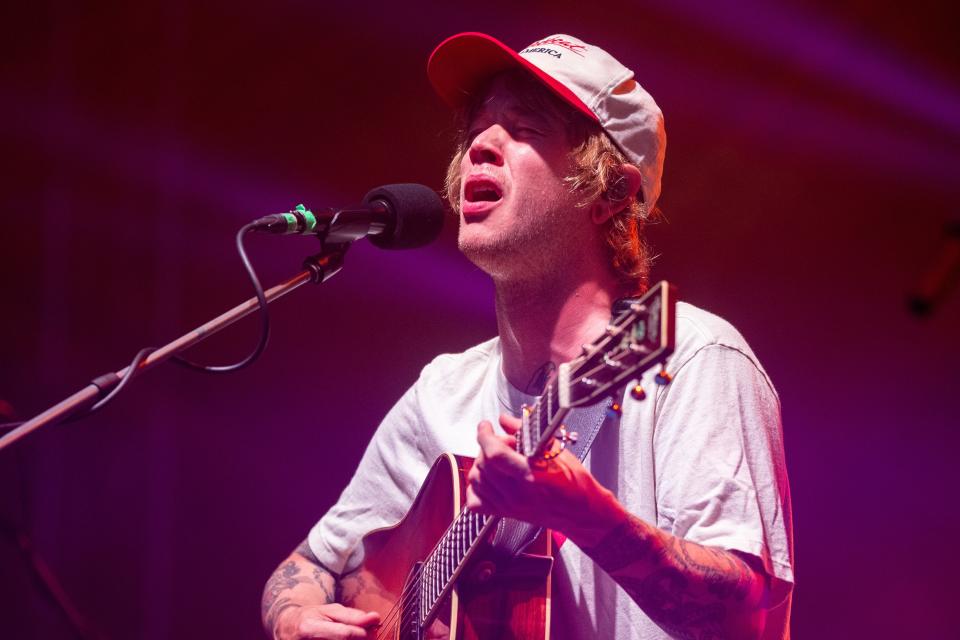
point(497, 596)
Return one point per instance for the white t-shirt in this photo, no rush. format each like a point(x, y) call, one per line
point(702, 458)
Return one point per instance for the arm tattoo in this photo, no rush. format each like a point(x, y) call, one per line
point(623, 546)
point(667, 594)
point(318, 575)
point(283, 579)
point(286, 577)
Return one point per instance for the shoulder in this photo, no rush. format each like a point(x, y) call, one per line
point(697, 328)
point(703, 335)
point(454, 372)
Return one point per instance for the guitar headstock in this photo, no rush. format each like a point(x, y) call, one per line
point(634, 341)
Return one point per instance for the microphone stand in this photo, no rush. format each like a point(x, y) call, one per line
point(317, 269)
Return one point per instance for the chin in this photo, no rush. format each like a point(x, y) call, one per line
point(485, 252)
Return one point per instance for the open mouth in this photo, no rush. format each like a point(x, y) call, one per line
point(481, 190)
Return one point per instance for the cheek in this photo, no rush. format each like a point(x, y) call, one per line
point(540, 169)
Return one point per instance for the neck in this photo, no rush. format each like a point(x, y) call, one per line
point(546, 323)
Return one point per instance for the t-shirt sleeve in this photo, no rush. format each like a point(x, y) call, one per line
point(720, 472)
point(381, 491)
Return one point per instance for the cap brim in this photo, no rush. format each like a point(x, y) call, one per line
point(461, 66)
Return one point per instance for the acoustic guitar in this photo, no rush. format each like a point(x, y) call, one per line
point(445, 572)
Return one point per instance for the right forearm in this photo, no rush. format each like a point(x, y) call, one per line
point(299, 581)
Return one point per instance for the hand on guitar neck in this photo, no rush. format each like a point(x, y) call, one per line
point(556, 494)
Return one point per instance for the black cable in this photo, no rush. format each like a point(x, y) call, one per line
point(264, 318)
point(132, 370)
point(138, 359)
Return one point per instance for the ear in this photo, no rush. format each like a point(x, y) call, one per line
point(618, 196)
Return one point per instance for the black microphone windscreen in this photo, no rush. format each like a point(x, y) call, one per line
point(417, 215)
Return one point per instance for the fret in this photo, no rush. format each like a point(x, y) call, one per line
point(425, 591)
point(455, 531)
point(549, 396)
point(448, 553)
point(532, 430)
point(434, 578)
point(535, 426)
point(444, 561)
point(438, 578)
point(441, 570)
point(438, 581)
point(428, 575)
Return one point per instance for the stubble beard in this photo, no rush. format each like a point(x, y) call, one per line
point(535, 248)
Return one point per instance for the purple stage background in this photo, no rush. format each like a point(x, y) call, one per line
point(813, 162)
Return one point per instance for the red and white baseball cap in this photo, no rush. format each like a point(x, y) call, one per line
point(584, 76)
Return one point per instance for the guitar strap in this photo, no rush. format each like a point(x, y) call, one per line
point(513, 536)
point(587, 422)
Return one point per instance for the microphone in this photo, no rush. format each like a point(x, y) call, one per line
point(395, 216)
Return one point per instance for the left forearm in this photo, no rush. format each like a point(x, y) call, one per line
point(691, 590)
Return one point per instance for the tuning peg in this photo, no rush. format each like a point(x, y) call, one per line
point(637, 392)
point(663, 378)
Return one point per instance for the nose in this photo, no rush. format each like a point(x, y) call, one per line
point(486, 146)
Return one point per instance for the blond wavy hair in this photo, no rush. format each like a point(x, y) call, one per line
point(596, 173)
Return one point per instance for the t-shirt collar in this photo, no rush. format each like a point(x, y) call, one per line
point(511, 399)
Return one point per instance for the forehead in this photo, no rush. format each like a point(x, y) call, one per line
point(517, 95)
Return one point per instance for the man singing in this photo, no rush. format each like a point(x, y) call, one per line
point(677, 523)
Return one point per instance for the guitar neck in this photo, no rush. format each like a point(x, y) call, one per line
point(635, 341)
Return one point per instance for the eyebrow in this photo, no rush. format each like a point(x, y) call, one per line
point(516, 111)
